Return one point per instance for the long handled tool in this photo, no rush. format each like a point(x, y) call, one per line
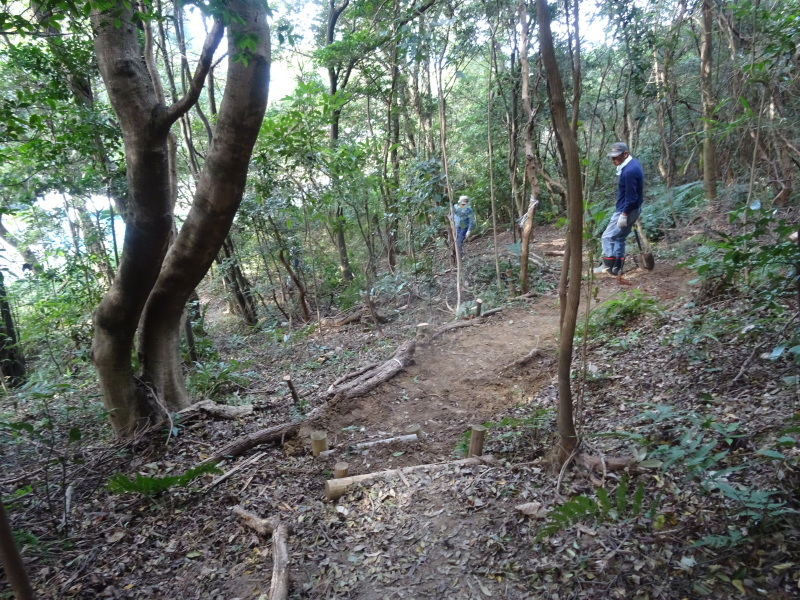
point(646, 254)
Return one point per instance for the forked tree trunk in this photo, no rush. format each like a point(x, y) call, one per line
point(568, 439)
point(141, 289)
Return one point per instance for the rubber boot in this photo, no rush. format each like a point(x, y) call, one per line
point(608, 264)
point(616, 269)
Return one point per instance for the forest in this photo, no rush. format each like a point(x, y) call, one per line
point(245, 351)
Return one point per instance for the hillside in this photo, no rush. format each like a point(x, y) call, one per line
point(701, 414)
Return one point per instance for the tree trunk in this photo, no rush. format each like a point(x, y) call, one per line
point(142, 291)
point(12, 362)
point(12, 561)
point(338, 76)
point(530, 158)
point(238, 285)
point(568, 439)
point(709, 148)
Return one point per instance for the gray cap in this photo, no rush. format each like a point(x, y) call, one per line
point(617, 148)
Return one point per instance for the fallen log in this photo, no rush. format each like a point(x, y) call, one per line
point(527, 296)
point(273, 434)
point(370, 379)
point(345, 320)
point(217, 411)
point(336, 488)
point(279, 587)
point(353, 387)
point(352, 375)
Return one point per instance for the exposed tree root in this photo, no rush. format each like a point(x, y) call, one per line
point(459, 324)
point(521, 362)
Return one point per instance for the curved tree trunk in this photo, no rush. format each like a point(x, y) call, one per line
point(573, 258)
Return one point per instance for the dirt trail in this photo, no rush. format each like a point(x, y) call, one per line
point(461, 377)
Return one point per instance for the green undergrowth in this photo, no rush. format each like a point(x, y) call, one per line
point(615, 316)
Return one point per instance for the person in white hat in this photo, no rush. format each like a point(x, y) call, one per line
point(630, 194)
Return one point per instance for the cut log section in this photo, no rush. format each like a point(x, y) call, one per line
point(279, 587)
point(336, 488)
point(601, 463)
point(319, 442)
point(476, 440)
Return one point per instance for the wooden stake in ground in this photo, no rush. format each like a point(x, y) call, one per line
point(340, 470)
point(319, 442)
point(476, 440)
point(336, 488)
point(288, 381)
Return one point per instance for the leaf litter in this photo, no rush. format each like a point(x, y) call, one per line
point(716, 515)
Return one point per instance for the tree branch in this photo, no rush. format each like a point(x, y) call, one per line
point(180, 107)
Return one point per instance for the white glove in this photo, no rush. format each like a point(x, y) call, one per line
point(622, 221)
point(466, 237)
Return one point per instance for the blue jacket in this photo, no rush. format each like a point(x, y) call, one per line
point(464, 217)
point(630, 192)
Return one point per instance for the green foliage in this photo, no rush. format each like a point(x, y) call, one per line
point(668, 208)
point(508, 428)
point(613, 316)
point(602, 508)
point(759, 258)
point(151, 486)
point(211, 379)
point(700, 449)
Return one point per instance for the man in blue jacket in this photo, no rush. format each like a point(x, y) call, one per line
point(630, 193)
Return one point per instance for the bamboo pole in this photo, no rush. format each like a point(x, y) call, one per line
point(336, 488)
point(416, 430)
